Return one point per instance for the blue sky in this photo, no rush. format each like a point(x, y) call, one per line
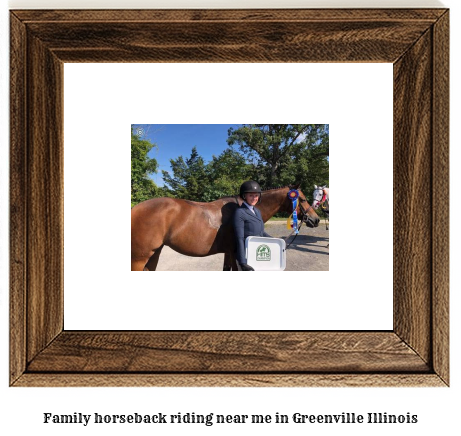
point(175, 140)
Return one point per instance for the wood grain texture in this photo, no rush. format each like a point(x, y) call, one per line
point(414, 354)
point(441, 199)
point(230, 35)
point(357, 41)
point(18, 193)
point(44, 169)
point(246, 15)
point(236, 352)
point(412, 184)
point(230, 380)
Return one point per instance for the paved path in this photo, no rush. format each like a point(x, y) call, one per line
point(308, 252)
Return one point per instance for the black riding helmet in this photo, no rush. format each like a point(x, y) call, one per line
point(250, 186)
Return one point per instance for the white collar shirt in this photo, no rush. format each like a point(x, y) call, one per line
point(250, 207)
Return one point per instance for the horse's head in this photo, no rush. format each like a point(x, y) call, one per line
point(318, 196)
point(304, 210)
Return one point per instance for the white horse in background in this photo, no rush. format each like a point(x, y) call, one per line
point(321, 198)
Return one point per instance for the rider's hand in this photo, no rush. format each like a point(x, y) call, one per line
point(246, 267)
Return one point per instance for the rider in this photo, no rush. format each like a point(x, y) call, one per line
point(248, 221)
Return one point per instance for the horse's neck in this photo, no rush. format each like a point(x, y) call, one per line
point(271, 203)
point(234, 199)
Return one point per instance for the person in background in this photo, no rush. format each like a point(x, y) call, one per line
point(247, 221)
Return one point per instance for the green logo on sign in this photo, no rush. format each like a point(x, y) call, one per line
point(263, 252)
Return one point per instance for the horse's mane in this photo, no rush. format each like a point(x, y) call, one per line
point(279, 187)
point(262, 190)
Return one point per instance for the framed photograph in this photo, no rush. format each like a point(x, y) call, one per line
point(415, 352)
point(206, 182)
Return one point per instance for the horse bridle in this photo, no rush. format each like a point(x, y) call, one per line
point(304, 212)
point(323, 200)
point(304, 219)
point(326, 210)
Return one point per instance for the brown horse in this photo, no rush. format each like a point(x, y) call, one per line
point(200, 229)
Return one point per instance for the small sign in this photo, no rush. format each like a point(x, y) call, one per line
point(263, 253)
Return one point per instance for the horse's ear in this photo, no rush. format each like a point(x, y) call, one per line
point(315, 186)
point(296, 185)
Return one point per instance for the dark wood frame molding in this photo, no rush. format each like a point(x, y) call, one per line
point(414, 353)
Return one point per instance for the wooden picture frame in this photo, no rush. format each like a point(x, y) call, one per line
point(414, 353)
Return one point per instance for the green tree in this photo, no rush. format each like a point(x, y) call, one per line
point(283, 154)
point(189, 179)
point(142, 186)
point(308, 163)
point(226, 173)
point(273, 147)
